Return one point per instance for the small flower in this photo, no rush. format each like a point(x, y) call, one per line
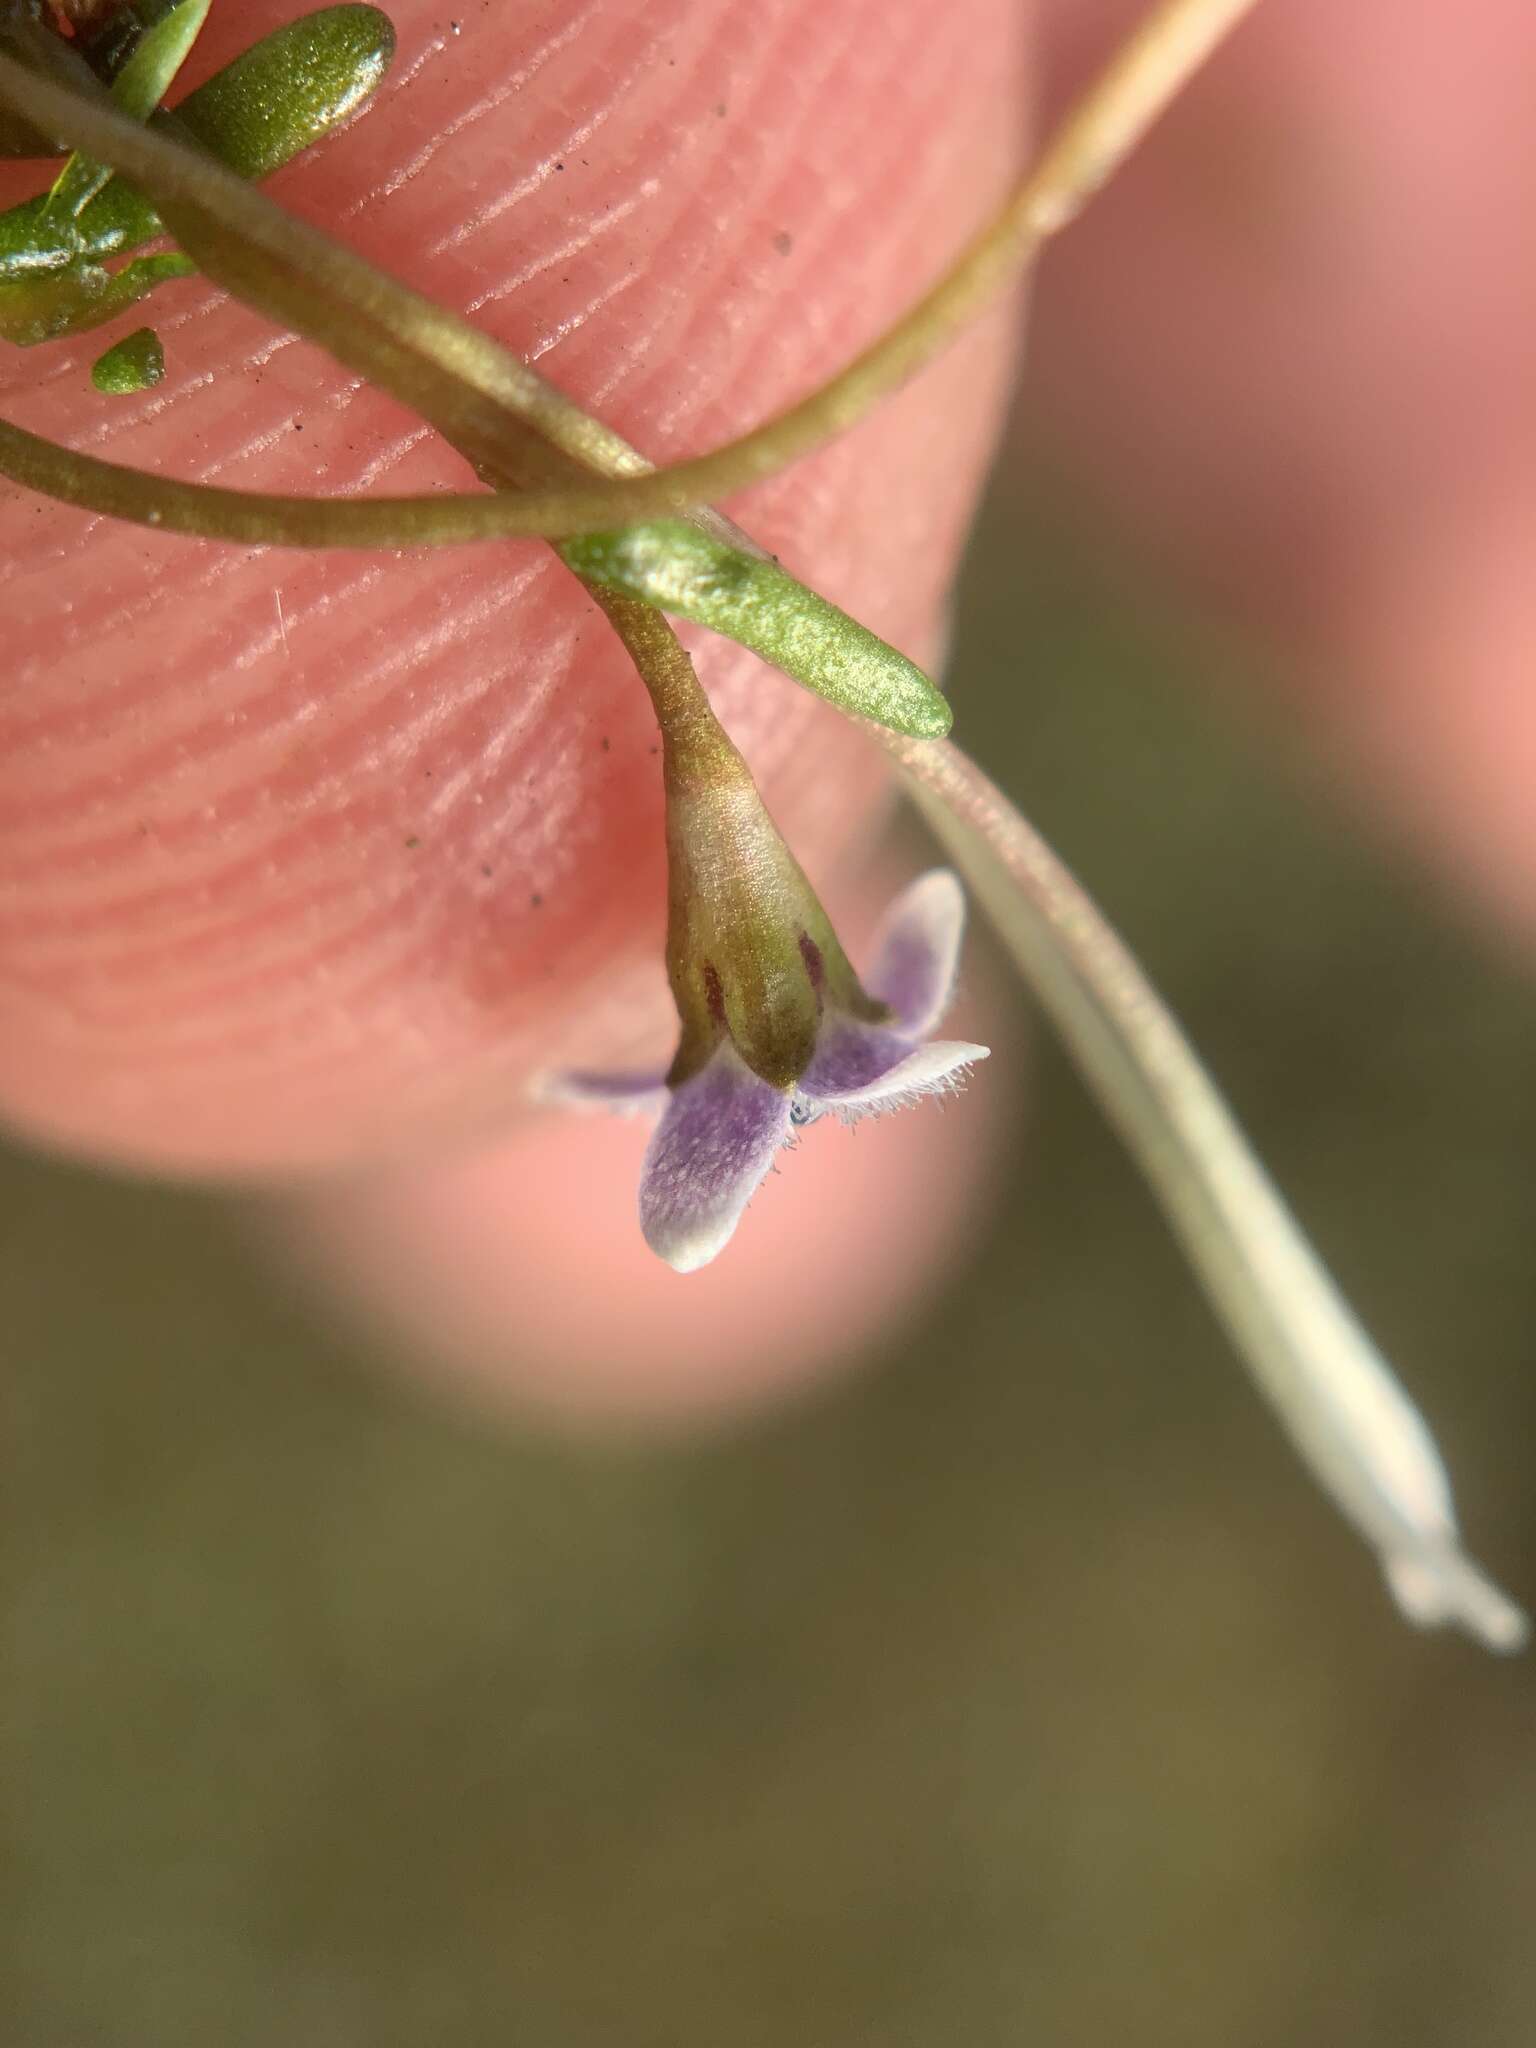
point(869, 1051)
point(777, 1029)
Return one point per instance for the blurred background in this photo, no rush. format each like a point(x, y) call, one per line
point(1022, 1688)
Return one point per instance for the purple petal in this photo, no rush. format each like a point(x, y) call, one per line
point(708, 1158)
point(932, 1069)
point(642, 1094)
point(850, 1056)
point(917, 951)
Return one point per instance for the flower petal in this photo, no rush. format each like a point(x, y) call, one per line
point(917, 951)
point(850, 1056)
point(643, 1094)
point(708, 1158)
point(853, 1076)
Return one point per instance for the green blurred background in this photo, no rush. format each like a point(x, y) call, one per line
point(1020, 1691)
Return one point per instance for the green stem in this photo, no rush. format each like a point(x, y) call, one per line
point(298, 276)
point(683, 711)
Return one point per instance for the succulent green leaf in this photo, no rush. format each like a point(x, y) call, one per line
point(692, 575)
point(132, 364)
point(257, 113)
point(157, 56)
point(137, 89)
point(294, 86)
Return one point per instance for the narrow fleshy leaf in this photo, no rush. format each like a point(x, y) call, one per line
point(917, 951)
point(709, 1156)
point(256, 114)
point(460, 379)
point(137, 89)
point(692, 575)
point(279, 97)
point(150, 70)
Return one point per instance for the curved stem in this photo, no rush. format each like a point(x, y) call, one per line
point(300, 277)
point(1337, 1399)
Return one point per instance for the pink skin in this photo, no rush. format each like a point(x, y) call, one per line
point(309, 862)
point(1290, 351)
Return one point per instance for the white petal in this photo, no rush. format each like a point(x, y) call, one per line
point(917, 951)
point(933, 1069)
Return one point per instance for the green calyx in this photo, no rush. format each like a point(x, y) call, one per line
point(691, 574)
point(751, 954)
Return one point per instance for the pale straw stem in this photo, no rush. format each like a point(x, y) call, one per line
point(1334, 1394)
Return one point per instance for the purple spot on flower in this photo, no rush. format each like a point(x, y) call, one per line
point(714, 994)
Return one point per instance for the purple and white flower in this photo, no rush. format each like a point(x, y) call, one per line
point(723, 1125)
